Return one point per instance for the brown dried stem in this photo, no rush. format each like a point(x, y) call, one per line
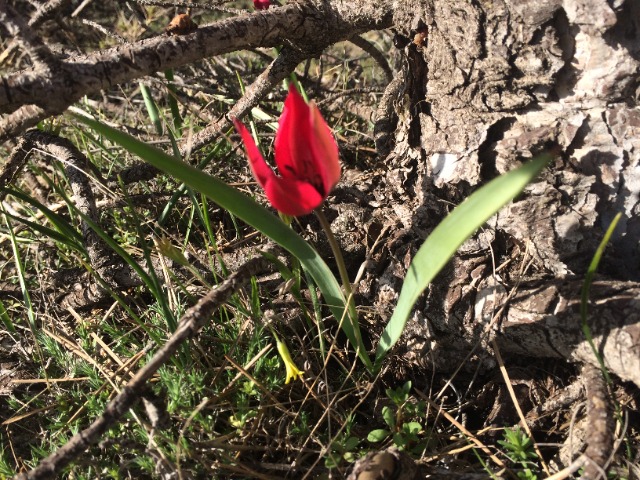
point(192, 321)
point(14, 164)
point(376, 54)
point(284, 64)
point(600, 425)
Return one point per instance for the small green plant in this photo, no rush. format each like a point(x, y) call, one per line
point(519, 449)
point(5, 466)
point(405, 421)
point(343, 448)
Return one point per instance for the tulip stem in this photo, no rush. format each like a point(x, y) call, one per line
point(337, 254)
point(350, 310)
point(352, 314)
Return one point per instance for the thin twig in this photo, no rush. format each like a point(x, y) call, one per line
point(516, 404)
point(192, 321)
point(376, 54)
point(44, 12)
point(47, 10)
point(284, 64)
point(295, 24)
point(189, 5)
point(105, 31)
point(24, 36)
point(14, 164)
point(277, 71)
point(386, 116)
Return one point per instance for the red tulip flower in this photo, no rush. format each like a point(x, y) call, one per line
point(306, 155)
point(261, 4)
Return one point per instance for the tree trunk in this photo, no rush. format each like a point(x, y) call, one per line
point(486, 86)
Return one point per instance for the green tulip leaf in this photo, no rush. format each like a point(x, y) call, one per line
point(447, 237)
point(250, 212)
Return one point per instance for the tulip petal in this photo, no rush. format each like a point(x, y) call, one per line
point(261, 4)
point(259, 167)
point(292, 197)
point(324, 147)
point(306, 155)
point(291, 138)
point(295, 153)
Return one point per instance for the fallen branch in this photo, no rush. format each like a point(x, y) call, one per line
point(310, 24)
point(540, 319)
point(600, 425)
point(192, 321)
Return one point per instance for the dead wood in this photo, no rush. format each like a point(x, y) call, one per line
point(29, 96)
point(190, 324)
point(13, 165)
point(277, 71)
point(601, 425)
point(539, 319)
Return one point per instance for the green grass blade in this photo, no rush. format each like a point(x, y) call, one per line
point(155, 285)
point(173, 102)
point(60, 223)
point(21, 274)
point(6, 320)
point(182, 189)
point(586, 286)
point(152, 108)
point(48, 233)
point(443, 242)
point(250, 212)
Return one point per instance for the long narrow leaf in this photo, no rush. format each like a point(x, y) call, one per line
point(586, 287)
point(63, 226)
point(173, 102)
point(250, 212)
point(49, 233)
point(21, 274)
point(4, 316)
point(152, 108)
point(443, 242)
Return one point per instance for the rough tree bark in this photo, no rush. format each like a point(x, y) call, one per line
point(487, 85)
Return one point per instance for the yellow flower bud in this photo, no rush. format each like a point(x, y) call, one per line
point(292, 370)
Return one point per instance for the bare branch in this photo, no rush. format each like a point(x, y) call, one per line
point(376, 54)
point(314, 25)
point(47, 10)
point(279, 69)
point(601, 425)
point(192, 321)
point(26, 116)
point(39, 53)
point(14, 165)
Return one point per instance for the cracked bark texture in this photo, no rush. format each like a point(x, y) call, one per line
point(494, 84)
